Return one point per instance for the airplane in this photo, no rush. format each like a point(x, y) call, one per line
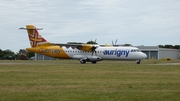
point(82, 52)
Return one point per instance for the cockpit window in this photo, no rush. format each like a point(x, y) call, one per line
point(135, 50)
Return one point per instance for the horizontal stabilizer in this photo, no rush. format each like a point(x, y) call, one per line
point(31, 28)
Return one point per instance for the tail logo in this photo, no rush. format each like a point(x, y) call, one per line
point(35, 38)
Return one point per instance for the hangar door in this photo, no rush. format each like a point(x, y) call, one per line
point(151, 54)
point(154, 54)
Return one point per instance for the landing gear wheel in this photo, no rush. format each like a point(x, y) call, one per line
point(138, 61)
point(93, 62)
point(82, 61)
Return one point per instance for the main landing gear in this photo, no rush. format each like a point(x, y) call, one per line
point(93, 62)
point(82, 61)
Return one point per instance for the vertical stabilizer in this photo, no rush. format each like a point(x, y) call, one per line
point(34, 36)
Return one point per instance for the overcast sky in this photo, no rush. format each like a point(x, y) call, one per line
point(136, 22)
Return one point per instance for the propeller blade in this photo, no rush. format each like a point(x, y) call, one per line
point(112, 43)
point(95, 40)
point(115, 41)
point(93, 49)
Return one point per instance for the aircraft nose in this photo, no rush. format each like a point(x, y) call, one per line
point(144, 56)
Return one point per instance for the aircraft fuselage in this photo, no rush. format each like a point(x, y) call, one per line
point(105, 53)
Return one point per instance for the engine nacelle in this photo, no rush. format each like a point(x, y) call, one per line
point(93, 58)
point(83, 59)
point(85, 47)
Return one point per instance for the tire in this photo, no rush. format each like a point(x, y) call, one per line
point(82, 61)
point(138, 61)
point(93, 62)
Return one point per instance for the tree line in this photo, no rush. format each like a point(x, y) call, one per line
point(169, 46)
point(10, 55)
point(160, 46)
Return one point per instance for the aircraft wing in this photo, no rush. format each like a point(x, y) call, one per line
point(73, 46)
point(84, 47)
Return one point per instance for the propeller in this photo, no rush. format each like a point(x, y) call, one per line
point(93, 49)
point(114, 44)
point(115, 41)
point(95, 40)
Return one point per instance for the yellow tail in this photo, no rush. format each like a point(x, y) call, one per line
point(34, 36)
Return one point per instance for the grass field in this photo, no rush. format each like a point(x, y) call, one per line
point(68, 80)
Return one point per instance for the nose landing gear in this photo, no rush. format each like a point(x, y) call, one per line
point(138, 61)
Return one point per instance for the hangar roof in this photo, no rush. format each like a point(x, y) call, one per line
point(153, 48)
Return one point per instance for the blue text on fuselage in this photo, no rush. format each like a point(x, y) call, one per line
point(116, 52)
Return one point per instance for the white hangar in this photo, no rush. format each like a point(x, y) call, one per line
point(154, 52)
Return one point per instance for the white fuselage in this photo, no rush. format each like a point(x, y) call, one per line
point(108, 53)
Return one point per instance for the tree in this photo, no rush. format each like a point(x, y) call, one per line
point(30, 54)
point(127, 45)
point(1, 54)
point(22, 55)
point(8, 54)
point(176, 46)
point(75, 43)
point(161, 46)
point(91, 42)
point(169, 46)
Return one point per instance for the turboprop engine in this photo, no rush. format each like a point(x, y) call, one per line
point(83, 59)
point(92, 59)
point(85, 47)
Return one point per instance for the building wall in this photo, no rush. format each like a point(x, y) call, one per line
point(154, 55)
point(150, 51)
point(42, 57)
point(154, 52)
point(151, 54)
point(168, 53)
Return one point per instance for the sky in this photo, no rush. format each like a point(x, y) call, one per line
point(135, 22)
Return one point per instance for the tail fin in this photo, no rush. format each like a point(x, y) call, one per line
point(34, 36)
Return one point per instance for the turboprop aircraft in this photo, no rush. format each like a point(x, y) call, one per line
point(82, 52)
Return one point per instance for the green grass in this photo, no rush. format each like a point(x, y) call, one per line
point(68, 80)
